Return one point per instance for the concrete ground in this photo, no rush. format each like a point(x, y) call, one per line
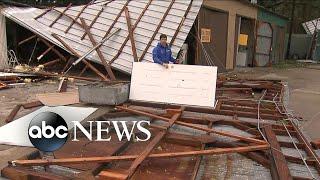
point(304, 87)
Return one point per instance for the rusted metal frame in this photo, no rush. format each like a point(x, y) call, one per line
point(181, 23)
point(45, 12)
point(53, 49)
point(277, 157)
point(45, 52)
point(61, 14)
point(116, 19)
point(76, 18)
point(130, 30)
point(26, 40)
point(51, 62)
point(251, 140)
point(199, 158)
point(210, 111)
point(156, 30)
point(64, 161)
point(133, 28)
point(307, 146)
point(78, 55)
point(101, 56)
point(93, 21)
point(151, 145)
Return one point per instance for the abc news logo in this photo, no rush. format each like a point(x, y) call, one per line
point(48, 131)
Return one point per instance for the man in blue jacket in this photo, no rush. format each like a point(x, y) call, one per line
point(162, 52)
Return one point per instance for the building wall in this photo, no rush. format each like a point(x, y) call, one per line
point(217, 47)
point(3, 41)
point(233, 8)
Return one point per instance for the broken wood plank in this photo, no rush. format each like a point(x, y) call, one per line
point(32, 104)
point(13, 113)
point(279, 161)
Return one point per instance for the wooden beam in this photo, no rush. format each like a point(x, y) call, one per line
point(50, 63)
point(93, 21)
point(26, 40)
point(279, 161)
point(307, 146)
point(130, 30)
point(101, 56)
point(44, 12)
point(78, 55)
point(45, 52)
point(156, 30)
point(181, 23)
point(116, 19)
point(13, 113)
point(133, 28)
point(76, 18)
point(53, 49)
point(199, 158)
point(188, 140)
point(154, 142)
point(251, 140)
point(60, 15)
point(64, 161)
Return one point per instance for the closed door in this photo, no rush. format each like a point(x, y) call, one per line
point(263, 44)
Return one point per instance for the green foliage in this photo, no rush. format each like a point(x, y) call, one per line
point(305, 10)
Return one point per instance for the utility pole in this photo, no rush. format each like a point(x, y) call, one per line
point(291, 28)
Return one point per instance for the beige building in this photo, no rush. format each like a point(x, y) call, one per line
point(236, 33)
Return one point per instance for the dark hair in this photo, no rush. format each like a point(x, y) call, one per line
point(163, 36)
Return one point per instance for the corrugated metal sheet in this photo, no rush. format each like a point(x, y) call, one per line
point(311, 26)
point(142, 34)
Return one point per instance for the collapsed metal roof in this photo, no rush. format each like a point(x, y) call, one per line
point(148, 18)
point(311, 26)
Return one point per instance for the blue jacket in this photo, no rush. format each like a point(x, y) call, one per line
point(162, 54)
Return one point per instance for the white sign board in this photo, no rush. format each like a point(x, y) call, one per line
point(179, 84)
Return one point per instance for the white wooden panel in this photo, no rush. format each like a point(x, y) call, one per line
point(179, 84)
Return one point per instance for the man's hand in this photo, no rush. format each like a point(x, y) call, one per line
point(165, 65)
point(177, 61)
